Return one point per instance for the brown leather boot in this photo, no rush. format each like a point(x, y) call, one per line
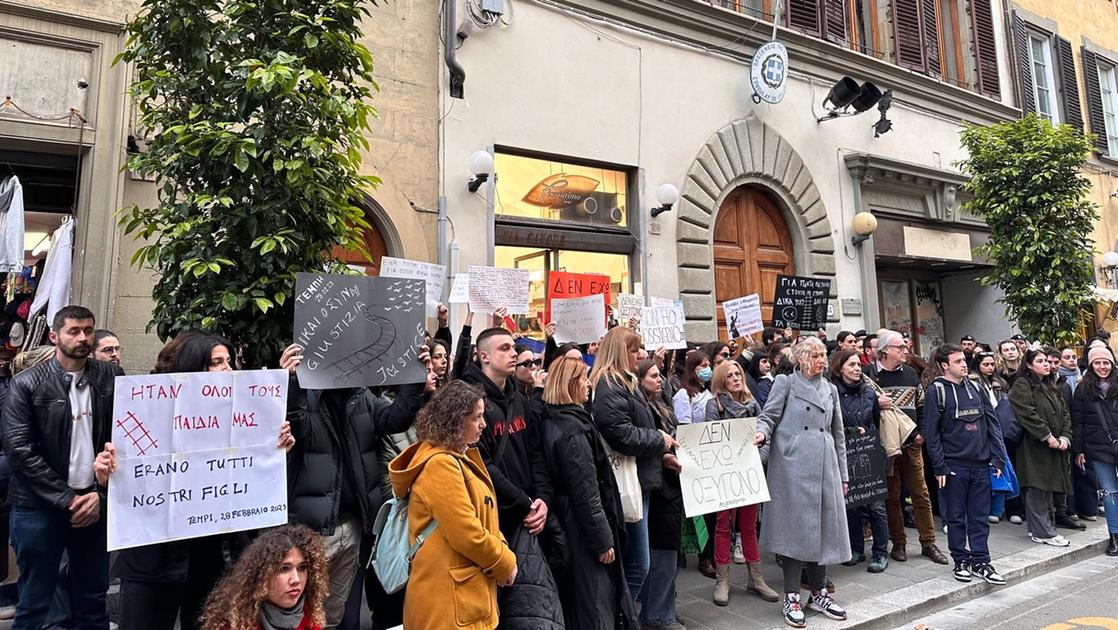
point(757, 583)
point(721, 584)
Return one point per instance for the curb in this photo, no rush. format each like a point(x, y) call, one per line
point(890, 616)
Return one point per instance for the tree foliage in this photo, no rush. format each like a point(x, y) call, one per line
point(256, 111)
point(1026, 181)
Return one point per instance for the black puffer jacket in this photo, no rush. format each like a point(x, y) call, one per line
point(627, 424)
point(1091, 418)
point(317, 463)
point(37, 422)
point(860, 409)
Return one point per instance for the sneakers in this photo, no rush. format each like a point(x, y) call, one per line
point(993, 520)
point(1055, 541)
point(962, 572)
point(793, 614)
point(739, 555)
point(823, 603)
point(856, 559)
point(878, 564)
point(1016, 520)
point(986, 571)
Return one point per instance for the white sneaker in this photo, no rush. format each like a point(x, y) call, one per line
point(1055, 541)
point(945, 529)
point(993, 519)
point(1016, 520)
point(739, 555)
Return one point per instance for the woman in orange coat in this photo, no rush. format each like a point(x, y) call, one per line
point(455, 574)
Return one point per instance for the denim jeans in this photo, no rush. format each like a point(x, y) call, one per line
point(636, 556)
point(658, 599)
point(879, 525)
point(1107, 476)
point(997, 504)
point(39, 536)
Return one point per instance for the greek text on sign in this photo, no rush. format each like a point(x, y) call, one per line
point(580, 319)
point(721, 466)
point(493, 287)
point(800, 302)
point(662, 327)
point(743, 316)
point(197, 455)
point(434, 275)
point(768, 73)
point(865, 463)
point(564, 284)
point(460, 289)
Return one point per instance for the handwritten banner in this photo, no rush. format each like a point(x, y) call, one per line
point(579, 320)
point(358, 331)
point(662, 327)
point(721, 466)
point(564, 284)
point(493, 287)
point(801, 302)
point(460, 289)
point(743, 316)
point(197, 455)
point(865, 465)
point(434, 275)
point(628, 307)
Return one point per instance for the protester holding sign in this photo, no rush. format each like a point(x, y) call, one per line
point(732, 399)
point(690, 402)
point(56, 501)
point(861, 415)
point(586, 503)
point(806, 519)
point(626, 422)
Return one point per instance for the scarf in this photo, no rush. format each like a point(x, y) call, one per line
point(273, 617)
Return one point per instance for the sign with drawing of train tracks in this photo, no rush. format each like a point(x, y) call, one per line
point(358, 331)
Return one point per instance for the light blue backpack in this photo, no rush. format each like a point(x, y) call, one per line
point(392, 555)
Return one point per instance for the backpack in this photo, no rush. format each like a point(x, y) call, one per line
point(392, 555)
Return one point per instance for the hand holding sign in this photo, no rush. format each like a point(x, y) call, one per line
point(721, 466)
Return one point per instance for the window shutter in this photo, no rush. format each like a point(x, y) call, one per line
point(1024, 68)
point(931, 38)
point(985, 48)
point(834, 20)
point(1073, 115)
point(1094, 100)
point(906, 34)
point(804, 15)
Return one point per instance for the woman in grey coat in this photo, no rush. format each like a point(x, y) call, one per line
point(805, 522)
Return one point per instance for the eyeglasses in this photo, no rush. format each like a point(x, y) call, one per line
point(530, 363)
point(902, 346)
point(724, 355)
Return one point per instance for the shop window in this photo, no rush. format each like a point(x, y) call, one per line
point(915, 308)
point(557, 190)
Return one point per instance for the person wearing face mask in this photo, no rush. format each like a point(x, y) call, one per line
point(690, 402)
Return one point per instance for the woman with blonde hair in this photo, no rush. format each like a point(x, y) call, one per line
point(625, 420)
point(586, 503)
point(732, 399)
point(279, 582)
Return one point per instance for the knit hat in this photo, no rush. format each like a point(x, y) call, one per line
point(1099, 353)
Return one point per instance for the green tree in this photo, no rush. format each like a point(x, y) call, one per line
point(1026, 181)
point(256, 110)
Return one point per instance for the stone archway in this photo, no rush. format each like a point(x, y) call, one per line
point(743, 152)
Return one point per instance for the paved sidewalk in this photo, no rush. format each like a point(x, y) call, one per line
point(903, 592)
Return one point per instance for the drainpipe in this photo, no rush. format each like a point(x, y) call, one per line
point(450, 38)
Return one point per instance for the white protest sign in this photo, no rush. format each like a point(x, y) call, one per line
point(460, 289)
point(628, 306)
point(660, 302)
point(721, 466)
point(433, 275)
point(743, 316)
point(197, 455)
point(662, 327)
point(579, 320)
point(494, 287)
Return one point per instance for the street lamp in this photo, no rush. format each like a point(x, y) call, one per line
point(667, 195)
point(1109, 268)
point(864, 224)
point(481, 165)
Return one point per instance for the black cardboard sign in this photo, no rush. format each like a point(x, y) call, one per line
point(865, 465)
point(358, 331)
point(800, 302)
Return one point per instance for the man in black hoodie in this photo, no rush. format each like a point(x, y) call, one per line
point(964, 440)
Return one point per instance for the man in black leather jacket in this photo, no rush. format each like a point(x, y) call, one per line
point(56, 503)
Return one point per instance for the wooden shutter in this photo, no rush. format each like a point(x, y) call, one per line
point(1094, 100)
point(834, 21)
point(1024, 68)
point(907, 36)
point(931, 38)
point(1073, 115)
point(985, 48)
point(804, 15)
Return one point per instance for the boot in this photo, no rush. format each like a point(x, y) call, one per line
point(757, 583)
point(721, 584)
point(1112, 548)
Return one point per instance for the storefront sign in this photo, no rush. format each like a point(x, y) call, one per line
point(358, 331)
point(561, 191)
point(925, 243)
point(492, 288)
point(768, 74)
point(580, 319)
point(721, 466)
point(800, 302)
point(433, 275)
point(564, 284)
point(865, 465)
point(197, 455)
point(743, 316)
point(662, 327)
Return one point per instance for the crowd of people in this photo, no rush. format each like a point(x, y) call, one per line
point(509, 459)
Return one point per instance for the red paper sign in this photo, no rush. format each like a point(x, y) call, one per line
point(564, 284)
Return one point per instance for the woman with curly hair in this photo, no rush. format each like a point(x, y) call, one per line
point(279, 583)
point(456, 572)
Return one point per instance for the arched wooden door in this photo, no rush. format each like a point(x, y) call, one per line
point(752, 247)
point(377, 250)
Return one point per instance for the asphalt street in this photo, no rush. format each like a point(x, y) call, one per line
point(1078, 596)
